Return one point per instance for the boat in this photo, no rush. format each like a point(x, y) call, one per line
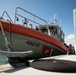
point(20, 42)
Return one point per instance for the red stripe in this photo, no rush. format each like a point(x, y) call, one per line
point(18, 29)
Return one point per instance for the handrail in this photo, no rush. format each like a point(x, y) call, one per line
point(29, 19)
point(7, 15)
point(28, 13)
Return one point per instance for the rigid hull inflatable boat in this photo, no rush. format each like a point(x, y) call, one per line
point(22, 42)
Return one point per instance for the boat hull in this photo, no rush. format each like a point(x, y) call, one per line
point(25, 39)
point(22, 43)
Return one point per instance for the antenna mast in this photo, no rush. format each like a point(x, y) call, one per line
point(55, 20)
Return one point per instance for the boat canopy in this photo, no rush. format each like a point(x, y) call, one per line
point(54, 30)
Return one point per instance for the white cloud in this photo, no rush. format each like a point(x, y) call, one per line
point(70, 37)
point(70, 40)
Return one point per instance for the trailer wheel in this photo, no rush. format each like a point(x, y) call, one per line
point(18, 62)
point(13, 61)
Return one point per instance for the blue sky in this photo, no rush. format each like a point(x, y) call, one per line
point(45, 9)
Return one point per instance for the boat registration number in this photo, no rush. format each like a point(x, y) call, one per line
point(33, 43)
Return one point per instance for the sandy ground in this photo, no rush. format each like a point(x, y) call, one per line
point(24, 70)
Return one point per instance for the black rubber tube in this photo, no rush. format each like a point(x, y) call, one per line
point(54, 65)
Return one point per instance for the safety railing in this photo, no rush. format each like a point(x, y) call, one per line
point(16, 14)
point(7, 16)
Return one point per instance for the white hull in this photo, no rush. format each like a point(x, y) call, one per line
point(22, 43)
